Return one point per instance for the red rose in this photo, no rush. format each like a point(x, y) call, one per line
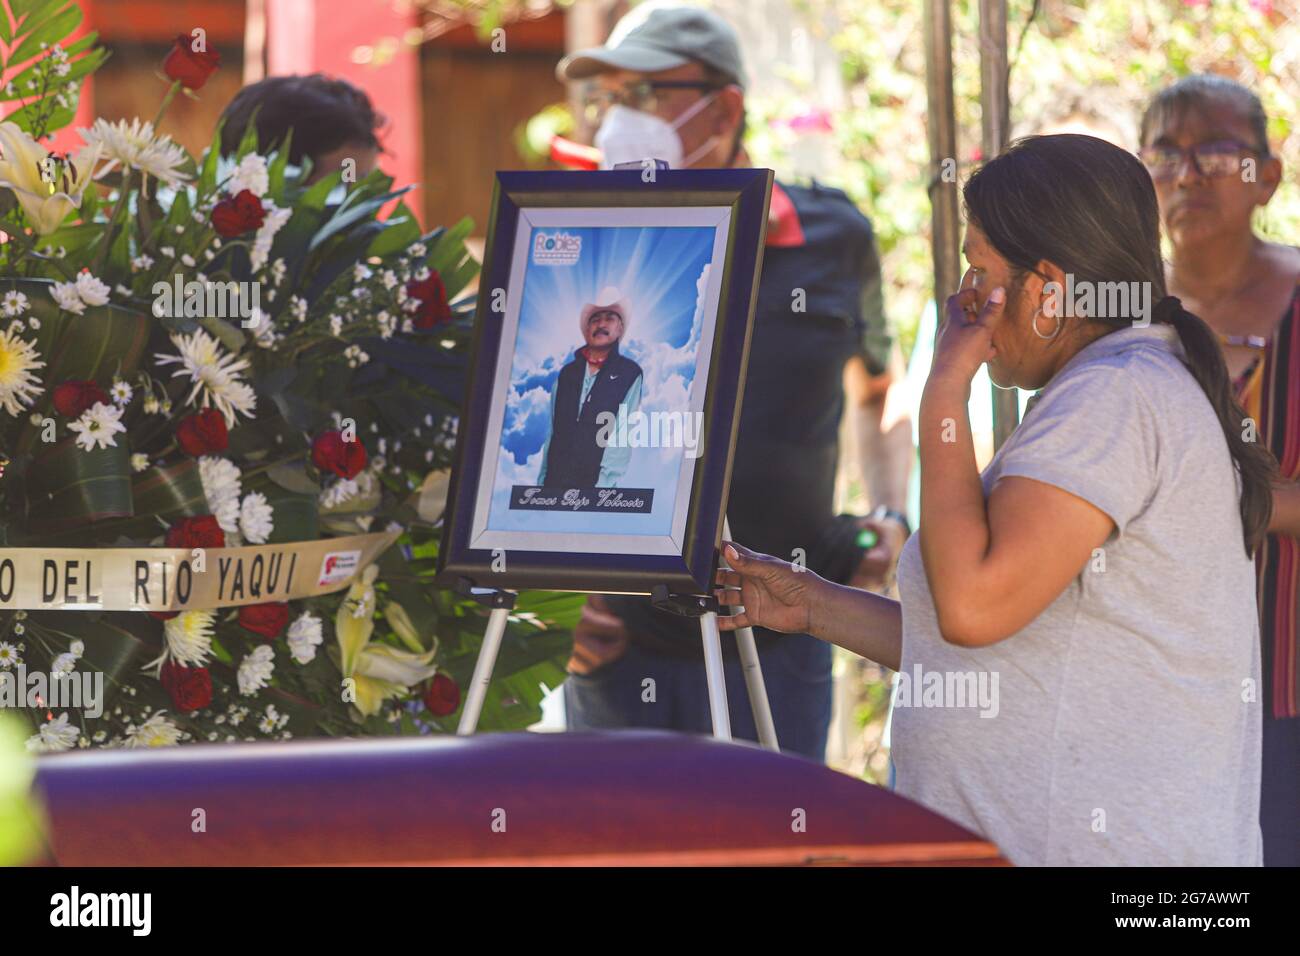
point(76, 395)
point(329, 452)
point(269, 620)
point(432, 296)
point(442, 696)
point(191, 67)
point(163, 615)
point(203, 433)
point(190, 688)
point(238, 214)
point(199, 532)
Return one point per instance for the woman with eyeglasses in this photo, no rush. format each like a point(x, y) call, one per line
point(1205, 143)
point(1077, 625)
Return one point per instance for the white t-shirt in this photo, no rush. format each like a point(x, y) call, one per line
point(1122, 726)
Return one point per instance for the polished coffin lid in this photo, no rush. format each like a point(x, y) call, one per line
point(621, 798)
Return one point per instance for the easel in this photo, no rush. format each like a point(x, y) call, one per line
point(703, 606)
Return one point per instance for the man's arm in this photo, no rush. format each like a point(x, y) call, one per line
point(613, 463)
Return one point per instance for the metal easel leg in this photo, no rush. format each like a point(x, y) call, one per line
point(753, 670)
point(716, 676)
point(487, 659)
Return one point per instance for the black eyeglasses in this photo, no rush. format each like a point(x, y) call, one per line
point(1218, 158)
point(640, 95)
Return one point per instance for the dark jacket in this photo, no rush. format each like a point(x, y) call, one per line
point(783, 478)
point(573, 458)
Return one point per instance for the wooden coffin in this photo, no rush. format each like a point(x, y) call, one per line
point(616, 798)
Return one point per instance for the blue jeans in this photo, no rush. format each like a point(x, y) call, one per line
point(796, 670)
point(1279, 809)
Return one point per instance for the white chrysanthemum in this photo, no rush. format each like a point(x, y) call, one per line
point(214, 373)
point(18, 386)
point(189, 637)
point(91, 290)
point(157, 731)
point(274, 221)
point(139, 461)
point(15, 303)
point(255, 518)
point(121, 392)
point(65, 294)
point(54, 736)
point(8, 656)
point(304, 637)
point(220, 480)
point(136, 146)
point(255, 670)
point(97, 426)
point(250, 174)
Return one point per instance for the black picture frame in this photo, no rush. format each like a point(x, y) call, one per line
point(747, 193)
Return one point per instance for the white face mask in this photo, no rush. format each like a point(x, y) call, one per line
point(630, 136)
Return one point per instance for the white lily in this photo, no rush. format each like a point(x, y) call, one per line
point(378, 671)
point(23, 169)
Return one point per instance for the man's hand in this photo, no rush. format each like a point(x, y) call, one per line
point(875, 571)
point(600, 638)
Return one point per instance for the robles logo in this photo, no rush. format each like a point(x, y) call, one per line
point(556, 249)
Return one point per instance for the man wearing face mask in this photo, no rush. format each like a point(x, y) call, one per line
point(669, 85)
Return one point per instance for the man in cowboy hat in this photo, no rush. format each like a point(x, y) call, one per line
point(596, 380)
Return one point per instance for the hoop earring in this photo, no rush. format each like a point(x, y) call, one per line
point(1034, 324)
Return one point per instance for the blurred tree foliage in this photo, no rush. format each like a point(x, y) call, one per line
point(1086, 65)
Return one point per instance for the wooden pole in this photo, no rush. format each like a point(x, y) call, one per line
point(945, 215)
point(995, 126)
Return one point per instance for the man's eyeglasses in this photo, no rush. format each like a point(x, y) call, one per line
point(1219, 158)
point(643, 95)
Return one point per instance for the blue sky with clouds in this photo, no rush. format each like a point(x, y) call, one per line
point(661, 273)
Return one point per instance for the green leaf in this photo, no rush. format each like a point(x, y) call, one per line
point(295, 518)
point(74, 238)
point(22, 7)
point(514, 697)
point(557, 608)
point(361, 211)
point(109, 648)
point(275, 172)
point(402, 230)
point(229, 335)
point(50, 31)
point(67, 485)
point(170, 492)
point(293, 477)
point(207, 179)
point(248, 142)
point(106, 339)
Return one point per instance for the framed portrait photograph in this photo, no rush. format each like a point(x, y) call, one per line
point(611, 335)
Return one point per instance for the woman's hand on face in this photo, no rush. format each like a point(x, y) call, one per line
point(966, 339)
point(775, 593)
